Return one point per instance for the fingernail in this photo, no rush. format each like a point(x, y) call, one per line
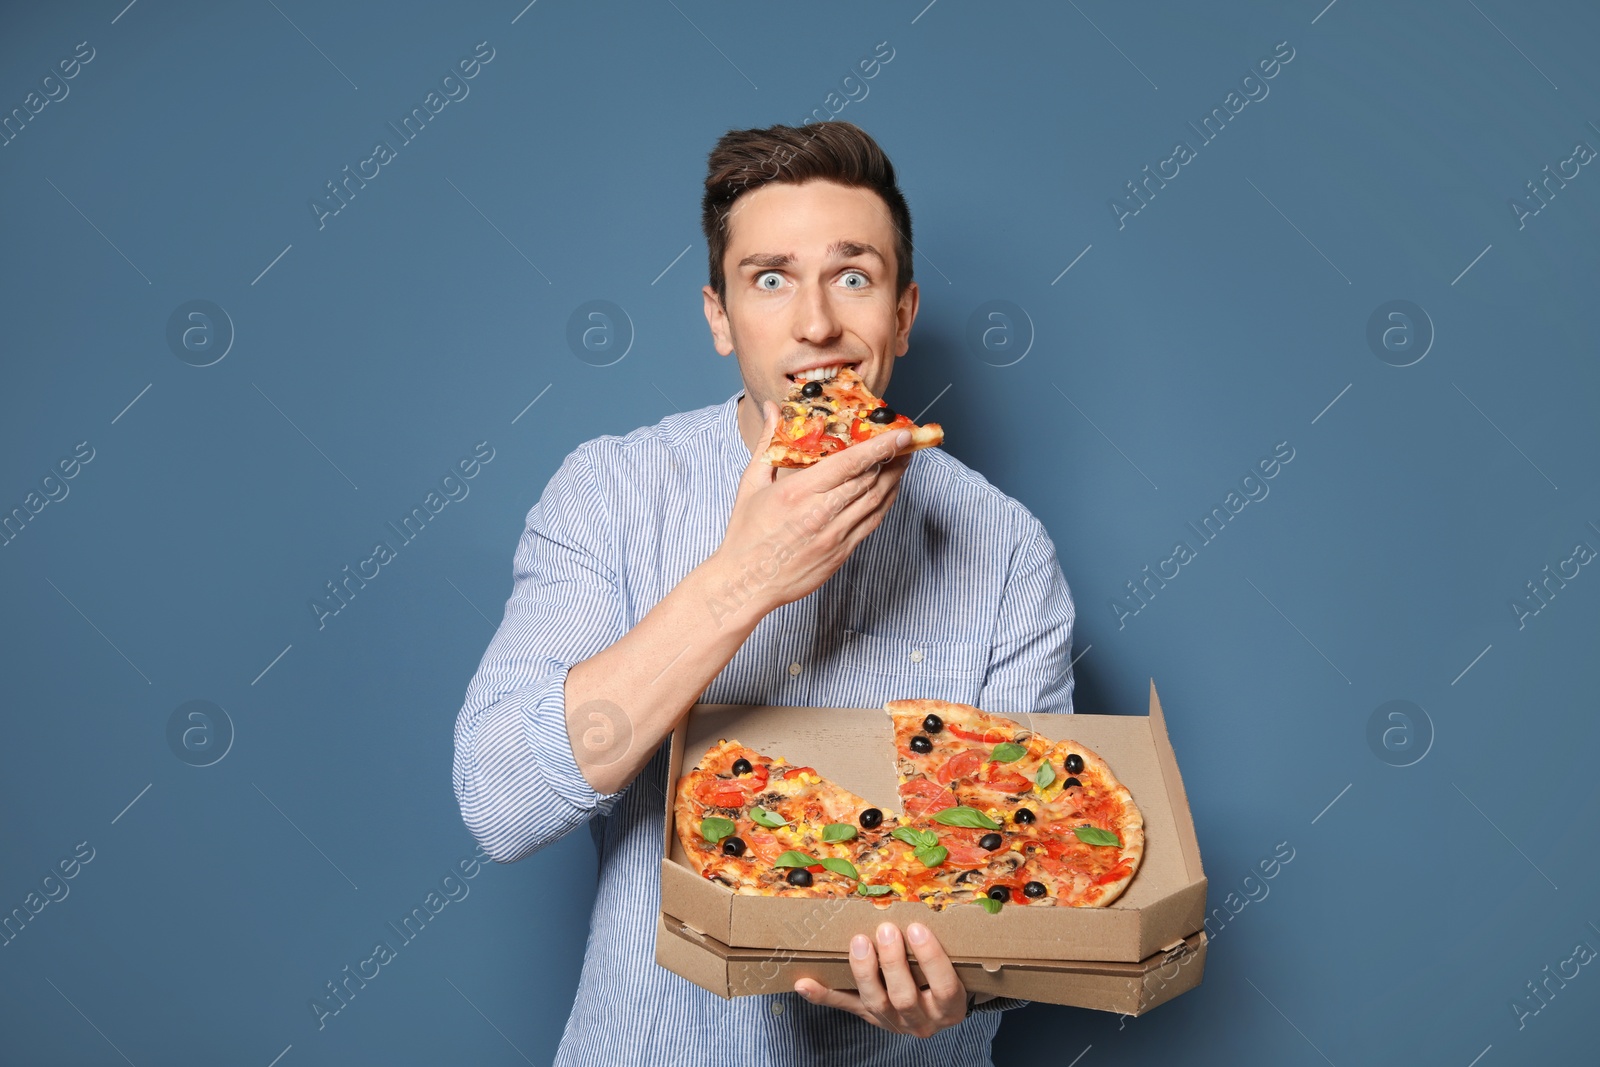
point(917, 933)
point(860, 947)
point(803, 992)
point(886, 934)
point(902, 439)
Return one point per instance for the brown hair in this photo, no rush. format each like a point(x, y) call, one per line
point(841, 152)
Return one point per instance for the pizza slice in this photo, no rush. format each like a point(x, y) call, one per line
point(1054, 806)
point(761, 826)
point(822, 415)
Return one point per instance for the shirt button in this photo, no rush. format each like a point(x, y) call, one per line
point(777, 1007)
point(916, 655)
point(794, 669)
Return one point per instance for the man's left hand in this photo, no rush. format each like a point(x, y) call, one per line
point(886, 995)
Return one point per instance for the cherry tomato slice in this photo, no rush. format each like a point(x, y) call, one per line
point(961, 765)
point(1009, 782)
point(795, 772)
point(923, 797)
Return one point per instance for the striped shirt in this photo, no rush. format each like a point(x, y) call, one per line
point(957, 595)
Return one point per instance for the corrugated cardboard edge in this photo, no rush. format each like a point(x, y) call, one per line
point(1187, 841)
point(1125, 988)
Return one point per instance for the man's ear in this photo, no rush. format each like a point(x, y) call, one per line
point(717, 319)
point(905, 313)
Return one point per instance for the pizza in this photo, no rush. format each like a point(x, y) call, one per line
point(993, 814)
point(822, 415)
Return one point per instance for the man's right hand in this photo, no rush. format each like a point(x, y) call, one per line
point(786, 536)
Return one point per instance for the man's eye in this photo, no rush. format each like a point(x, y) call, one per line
point(857, 274)
point(761, 280)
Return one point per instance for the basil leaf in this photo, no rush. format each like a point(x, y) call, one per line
point(1046, 775)
point(762, 817)
point(838, 831)
point(840, 866)
point(872, 890)
point(714, 828)
point(961, 815)
point(792, 858)
point(932, 855)
point(1007, 752)
point(1095, 836)
point(914, 837)
point(990, 905)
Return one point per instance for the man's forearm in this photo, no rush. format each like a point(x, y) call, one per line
point(622, 701)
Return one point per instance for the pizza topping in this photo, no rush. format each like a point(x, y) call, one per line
point(932, 724)
point(1001, 893)
point(1071, 783)
point(873, 890)
point(921, 744)
point(732, 846)
point(714, 828)
point(1093, 835)
point(791, 858)
point(990, 842)
point(838, 831)
point(962, 815)
point(960, 765)
point(1023, 815)
point(811, 390)
point(1045, 775)
point(1034, 889)
point(931, 855)
point(762, 817)
point(881, 415)
point(839, 865)
point(991, 905)
point(741, 766)
point(871, 819)
point(799, 876)
point(1074, 764)
point(1007, 752)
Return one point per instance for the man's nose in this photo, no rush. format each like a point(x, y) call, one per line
point(815, 318)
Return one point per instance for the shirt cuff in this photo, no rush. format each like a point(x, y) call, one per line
point(534, 721)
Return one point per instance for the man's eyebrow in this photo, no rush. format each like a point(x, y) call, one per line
point(837, 250)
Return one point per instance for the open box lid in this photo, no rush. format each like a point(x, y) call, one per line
point(854, 748)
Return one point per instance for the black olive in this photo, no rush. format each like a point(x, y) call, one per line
point(990, 842)
point(871, 819)
point(1074, 764)
point(1000, 893)
point(818, 409)
point(1023, 815)
point(741, 766)
point(732, 846)
point(1070, 782)
point(933, 724)
point(881, 415)
point(811, 390)
point(1034, 889)
point(921, 744)
point(799, 876)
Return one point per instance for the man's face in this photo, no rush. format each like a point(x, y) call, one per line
point(811, 276)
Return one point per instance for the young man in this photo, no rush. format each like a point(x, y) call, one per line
point(673, 565)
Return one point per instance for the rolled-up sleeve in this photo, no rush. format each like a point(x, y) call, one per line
point(1030, 667)
point(515, 775)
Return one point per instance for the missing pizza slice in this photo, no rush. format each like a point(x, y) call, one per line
point(822, 415)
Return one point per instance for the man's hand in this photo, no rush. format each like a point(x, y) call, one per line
point(786, 536)
point(891, 999)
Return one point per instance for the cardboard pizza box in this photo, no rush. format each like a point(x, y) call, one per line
point(1125, 988)
point(854, 747)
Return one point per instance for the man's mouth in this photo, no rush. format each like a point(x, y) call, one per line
point(819, 374)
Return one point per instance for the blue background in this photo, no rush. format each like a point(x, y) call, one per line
point(371, 354)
